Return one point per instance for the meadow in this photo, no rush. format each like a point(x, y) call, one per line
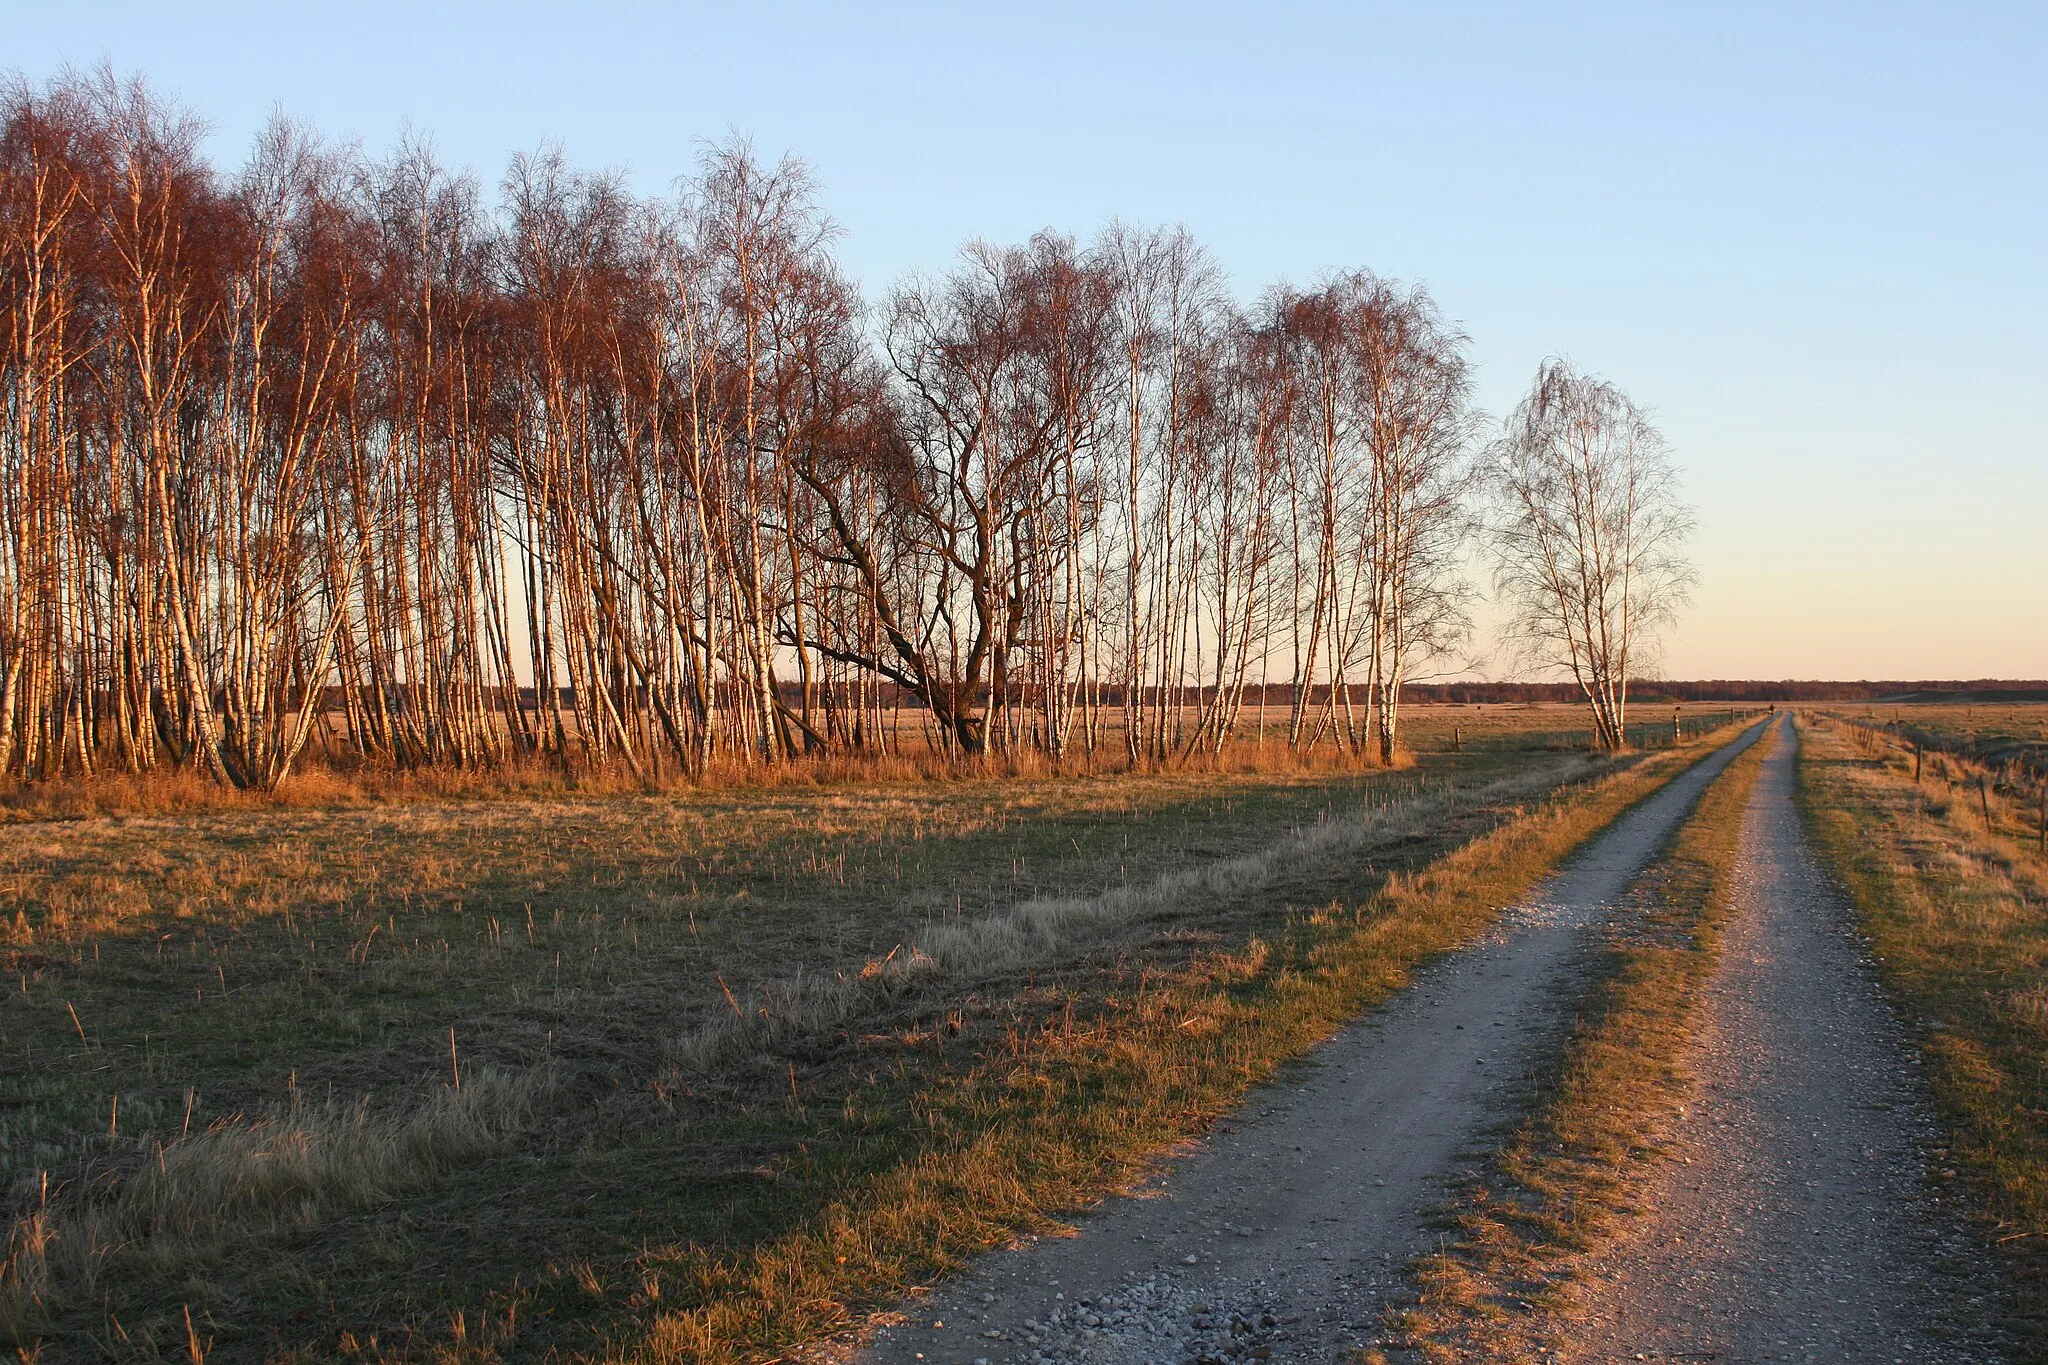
point(573, 1072)
point(1992, 734)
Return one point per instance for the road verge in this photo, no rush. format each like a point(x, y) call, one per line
point(1956, 918)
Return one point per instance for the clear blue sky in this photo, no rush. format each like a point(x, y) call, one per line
point(1813, 237)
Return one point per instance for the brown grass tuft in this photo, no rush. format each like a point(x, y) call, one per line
point(242, 1177)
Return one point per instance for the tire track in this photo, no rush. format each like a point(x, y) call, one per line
point(1795, 1221)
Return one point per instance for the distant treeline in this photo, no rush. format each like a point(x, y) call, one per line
point(594, 479)
point(1752, 689)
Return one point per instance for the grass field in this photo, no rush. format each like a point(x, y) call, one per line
point(677, 1075)
point(1956, 907)
point(1992, 755)
point(1257, 745)
point(1985, 723)
point(2001, 737)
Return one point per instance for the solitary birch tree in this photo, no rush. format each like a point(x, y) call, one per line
point(1589, 540)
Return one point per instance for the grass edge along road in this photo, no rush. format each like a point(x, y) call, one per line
point(1170, 1065)
point(1956, 916)
point(1573, 1169)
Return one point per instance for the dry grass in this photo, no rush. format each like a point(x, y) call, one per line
point(1042, 926)
point(1988, 726)
point(663, 1116)
point(1047, 929)
point(1957, 915)
point(1994, 758)
point(1056, 1115)
point(1254, 749)
point(1569, 1175)
point(242, 1179)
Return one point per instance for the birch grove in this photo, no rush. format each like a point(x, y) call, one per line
point(350, 459)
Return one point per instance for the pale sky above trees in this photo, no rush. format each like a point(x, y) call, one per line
point(1809, 239)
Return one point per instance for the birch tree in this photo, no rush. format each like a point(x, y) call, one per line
point(1588, 538)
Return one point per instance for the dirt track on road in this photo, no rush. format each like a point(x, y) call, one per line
point(1287, 1231)
point(1795, 1221)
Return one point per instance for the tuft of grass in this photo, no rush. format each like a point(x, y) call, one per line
point(1956, 915)
point(241, 1176)
point(1574, 1169)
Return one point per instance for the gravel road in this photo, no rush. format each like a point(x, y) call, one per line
point(1796, 1220)
point(1284, 1233)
